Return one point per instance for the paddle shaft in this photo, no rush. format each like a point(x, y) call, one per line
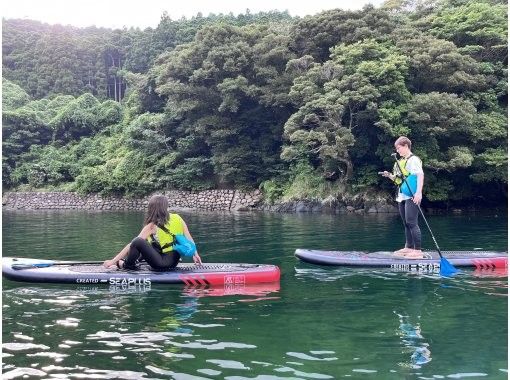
point(419, 208)
point(25, 265)
point(62, 263)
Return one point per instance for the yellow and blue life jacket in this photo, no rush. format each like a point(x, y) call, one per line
point(402, 173)
point(166, 236)
point(406, 182)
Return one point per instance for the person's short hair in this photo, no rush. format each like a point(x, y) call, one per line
point(402, 140)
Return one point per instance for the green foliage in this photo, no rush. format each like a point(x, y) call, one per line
point(301, 108)
point(366, 177)
point(307, 183)
point(316, 35)
point(223, 88)
point(439, 189)
point(192, 174)
point(13, 96)
point(346, 91)
point(273, 189)
point(473, 24)
point(27, 159)
point(438, 66)
point(45, 166)
point(120, 171)
point(493, 166)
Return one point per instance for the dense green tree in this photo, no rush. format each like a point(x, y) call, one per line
point(301, 107)
point(481, 26)
point(223, 88)
point(339, 100)
point(13, 96)
point(26, 129)
point(53, 59)
point(316, 35)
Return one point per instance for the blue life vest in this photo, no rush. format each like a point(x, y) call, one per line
point(412, 181)
point(184, 246)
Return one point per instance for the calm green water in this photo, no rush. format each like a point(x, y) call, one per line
point(318, 323)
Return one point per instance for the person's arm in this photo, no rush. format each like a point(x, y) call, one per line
point(418, 195)
point(144, 234)
point(196, 256)
point(147, 231)
point(416, 168)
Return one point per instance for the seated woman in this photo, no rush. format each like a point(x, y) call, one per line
point(155, 242)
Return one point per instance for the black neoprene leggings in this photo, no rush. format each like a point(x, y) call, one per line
point(140, 247)
point(409, 213)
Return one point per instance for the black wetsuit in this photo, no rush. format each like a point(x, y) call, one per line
point(409, 213)
point(141, 248)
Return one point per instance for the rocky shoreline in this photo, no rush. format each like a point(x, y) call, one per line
point(209, 200)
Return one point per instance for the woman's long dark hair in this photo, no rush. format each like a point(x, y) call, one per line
point(157, 211)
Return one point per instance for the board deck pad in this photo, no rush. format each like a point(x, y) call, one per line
point(473, 259)
point(209, 274)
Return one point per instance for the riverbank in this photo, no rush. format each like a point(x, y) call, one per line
point(209, 200)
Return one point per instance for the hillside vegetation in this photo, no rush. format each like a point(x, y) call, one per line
point(299, 107)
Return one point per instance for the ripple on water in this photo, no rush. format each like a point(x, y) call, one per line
point(174, 375)
point(176, 355)
point(304, 356)
point(23, 347)
point(340, 273)
point(209, 372)
point(262, 377)
point(362, 370)
point(492, 283)
point(309, 375)
point(212, 345)
point(466, 375)
point(203, 325)
point(22, 372)
point(58, 357)
point(232, 364)
point(68, 322)
point(23, 337)
point(275, 368)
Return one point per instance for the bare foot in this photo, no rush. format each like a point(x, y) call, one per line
point(414, 254)
point(403, 251)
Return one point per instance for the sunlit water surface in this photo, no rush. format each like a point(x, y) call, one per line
point(317, 323)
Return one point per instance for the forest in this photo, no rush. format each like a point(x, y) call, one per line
point(301, 108)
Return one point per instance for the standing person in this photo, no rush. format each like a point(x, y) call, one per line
point(408, 205)
point(155, 242)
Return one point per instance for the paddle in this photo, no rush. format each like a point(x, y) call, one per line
point(445, 267)
point(46, 264)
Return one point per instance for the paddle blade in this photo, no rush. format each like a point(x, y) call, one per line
point(446, 268)
point(18, 266)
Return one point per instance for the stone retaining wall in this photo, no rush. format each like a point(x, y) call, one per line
point(211, 200)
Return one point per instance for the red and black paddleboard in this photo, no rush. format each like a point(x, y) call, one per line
point(75, 272)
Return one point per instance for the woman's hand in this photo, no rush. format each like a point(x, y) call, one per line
point(417, 198)
point(108, 263)
point(196, 259)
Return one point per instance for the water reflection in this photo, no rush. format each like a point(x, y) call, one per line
point(128, 325)
point(413, 340)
